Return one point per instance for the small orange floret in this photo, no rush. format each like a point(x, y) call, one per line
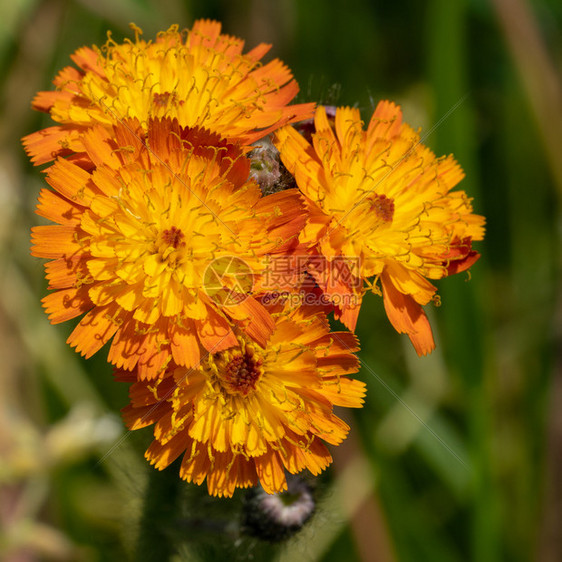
point(252, 412)
point(143, 231)
point(382, 209)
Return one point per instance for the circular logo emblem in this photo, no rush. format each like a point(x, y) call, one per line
point(228, 280)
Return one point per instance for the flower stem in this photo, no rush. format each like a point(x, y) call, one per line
point(155, 541)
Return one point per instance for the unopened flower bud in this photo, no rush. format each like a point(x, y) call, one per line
point(277, 517)
point(268, 170)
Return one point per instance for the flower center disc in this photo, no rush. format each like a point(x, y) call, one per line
point(383, 207)
point(173, 237)
point(242, 372)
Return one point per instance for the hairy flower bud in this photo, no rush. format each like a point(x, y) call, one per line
point(267, 169)
point(277, 517)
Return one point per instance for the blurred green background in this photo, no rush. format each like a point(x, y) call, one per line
point(454, 457)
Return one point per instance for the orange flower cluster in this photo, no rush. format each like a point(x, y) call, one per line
point(210, 288)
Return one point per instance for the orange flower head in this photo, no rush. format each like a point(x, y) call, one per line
point(157, 240)
point(200, 77)
point(252, 412)
point(381, 208)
